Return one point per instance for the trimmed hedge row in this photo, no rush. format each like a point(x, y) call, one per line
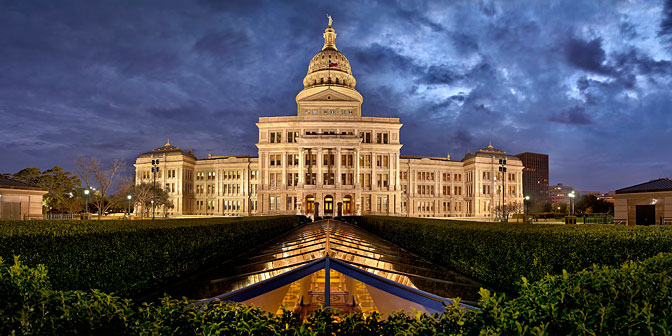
point(500, 254)
point(130, 257)
point(632, 299)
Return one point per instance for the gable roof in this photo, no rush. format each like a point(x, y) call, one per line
point(168, 148)
point(14, 184)
point(662, 184)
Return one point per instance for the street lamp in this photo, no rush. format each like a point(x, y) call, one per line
point(502, 169)
point(86, 192)
point(527, 205)
point(129, 206)
point(155, 169)
point(571, 201)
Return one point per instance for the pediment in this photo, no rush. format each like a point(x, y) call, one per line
point(330, 95)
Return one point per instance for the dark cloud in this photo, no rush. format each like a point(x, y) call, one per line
point(115, 79)
point(575, 116)
point(586, 55)
point(665, 31)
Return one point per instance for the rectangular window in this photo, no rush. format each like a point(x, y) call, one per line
point(379, 138)
point(385, 140)
point(385, 162)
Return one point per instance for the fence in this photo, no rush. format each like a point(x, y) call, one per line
point(598, 220)
point(59, 216)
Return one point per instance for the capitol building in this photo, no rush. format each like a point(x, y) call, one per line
point(330, 160)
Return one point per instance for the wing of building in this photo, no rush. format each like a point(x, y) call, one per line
point(330, 159)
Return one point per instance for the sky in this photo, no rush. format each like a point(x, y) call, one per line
point(587, 82)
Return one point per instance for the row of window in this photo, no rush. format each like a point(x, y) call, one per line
point(367, 136)
point(329, 111)
point(227, 189)
point(226, 175)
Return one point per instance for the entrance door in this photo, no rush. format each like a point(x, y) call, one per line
point(646, 214)
point(310, 205)
point(347, 205)
point(328, 205)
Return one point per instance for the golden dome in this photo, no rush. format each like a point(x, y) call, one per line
point(329, 66)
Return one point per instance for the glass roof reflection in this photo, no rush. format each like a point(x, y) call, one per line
point(340, 241)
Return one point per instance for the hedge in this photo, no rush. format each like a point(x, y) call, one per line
point(633, 299)
point(132, 257)
point(500, 254)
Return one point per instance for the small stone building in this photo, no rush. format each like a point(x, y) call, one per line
point(645, 204)
point(20, 200)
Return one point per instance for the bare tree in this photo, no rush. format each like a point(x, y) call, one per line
point(510, 208)
point(93, 173)
point(143, 194)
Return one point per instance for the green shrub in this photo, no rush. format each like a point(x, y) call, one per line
point(500, 254)
point(130, 257)
point(633, 299)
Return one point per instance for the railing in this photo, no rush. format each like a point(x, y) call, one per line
point(598, 220)
point(620, 221)
point(57, 216)
point(665, 220)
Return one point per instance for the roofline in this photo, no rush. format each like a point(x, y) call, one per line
point(621, 191)
point(532, 153)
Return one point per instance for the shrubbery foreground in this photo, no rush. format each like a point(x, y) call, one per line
point(500, 255)
point(631, 299)
point(133, 257)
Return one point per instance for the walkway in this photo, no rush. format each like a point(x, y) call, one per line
point(340, 241)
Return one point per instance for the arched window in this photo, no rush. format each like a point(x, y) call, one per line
point(322, 80)
point(336, 80)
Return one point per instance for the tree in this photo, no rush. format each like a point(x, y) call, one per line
point(560, 208)
point(61, 185)
point(510, 208)
point(143, 194)
point(591, 204)
point(92, 173)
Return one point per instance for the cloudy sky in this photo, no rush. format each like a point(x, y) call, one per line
point(587, 82)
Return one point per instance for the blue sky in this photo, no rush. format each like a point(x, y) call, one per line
point(587, 82)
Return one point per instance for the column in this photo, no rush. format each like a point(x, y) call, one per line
point(356, 159)
point(390, 178)
point(319, 180)
point(302, 173)
point(338, 166)
point(284, 169)
point(374, 162)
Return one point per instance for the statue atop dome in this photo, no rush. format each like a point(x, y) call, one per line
point(330, 20)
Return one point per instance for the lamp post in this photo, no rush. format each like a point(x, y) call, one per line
point(502, 169)
point(128, 213)
point(571, 201)
point(155, 169)
point(527, 205)
point(86, 192)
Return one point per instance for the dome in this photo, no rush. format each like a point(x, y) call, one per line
point(329, 66)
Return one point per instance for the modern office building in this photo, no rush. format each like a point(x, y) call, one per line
point(535, 177)
point(330, 159)
point(559, 193)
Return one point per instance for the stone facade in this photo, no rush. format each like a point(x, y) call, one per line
point(329, 159)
